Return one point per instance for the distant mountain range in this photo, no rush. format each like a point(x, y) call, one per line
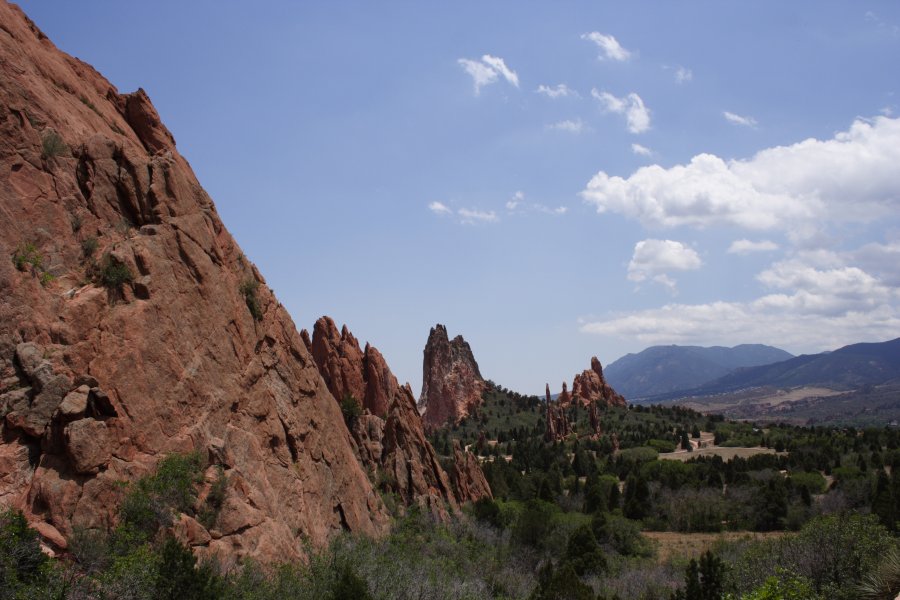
point(855, 385)
point(663, 370)
point(844, 369)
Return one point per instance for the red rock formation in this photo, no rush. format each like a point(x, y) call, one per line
point(340, 360)
point(451, 382)
point(381, 385)
point(390, 436)
point(550, 418)
point(591, 387)
point(467, 476)
point(557, 426)
point(411, 464)
point(564, 399)
point(195, 353)
point(350, 371)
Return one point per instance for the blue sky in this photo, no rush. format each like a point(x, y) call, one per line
point(553, 181)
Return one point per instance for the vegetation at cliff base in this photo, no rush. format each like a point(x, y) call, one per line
point(569, 519)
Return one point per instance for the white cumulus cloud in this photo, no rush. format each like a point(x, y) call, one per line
point(729, 323)
point(637, 115)
point(738, 119)
point(852, 177)
point(487, 71)
point(559, 210)
point(559, 91)
point(683, 75)
point(609, 46)
point(472, 216)
point(749, 246)
point(515, 201)
point(466, 216)
point(641, 150)
point(881, 259)
point(569, 125)
point(497, 63)
point(439, 208)
point(814, 301)
point(655, 259)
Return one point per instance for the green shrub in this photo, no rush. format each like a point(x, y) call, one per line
point(350, 409)
point(560, 583)
point(884, 581)
point(704, 580)
point(178, 575)
point(27, 256)
point(249, 290)
point(662, 445)
point(783, 586)
point(534, 523)
point(89, 246)
point(214, 500)
point(583, 553)
point(114, 274)
point(833, 553)
point(488, 511)
point(152, 500)
point(89, 104)
point(814, 481)
point(631, 456)
point(52, 144)
point(21, 559)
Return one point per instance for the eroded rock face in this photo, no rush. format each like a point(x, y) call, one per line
point(174, 360)
point(340, 360)
point(349, 371)
point(411, 465)
point(389, 434)
point(451, 382)
point(591, 387)
point(556, 426)
point(467, 476)
point(564, 399)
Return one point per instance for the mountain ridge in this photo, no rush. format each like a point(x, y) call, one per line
point(664, 369)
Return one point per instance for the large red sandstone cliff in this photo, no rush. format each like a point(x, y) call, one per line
point(101, 376)
point(451, 382)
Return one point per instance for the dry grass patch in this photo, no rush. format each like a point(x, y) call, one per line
point(685, 546)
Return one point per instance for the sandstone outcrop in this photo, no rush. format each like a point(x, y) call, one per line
point(132, 326)
point(564, 399)
point(339, 359)
point(351, 372)
point(590, 390)
point(590, 387)
point(389, 434)
point(451, 382)
point(467, 477)
point(556, 426)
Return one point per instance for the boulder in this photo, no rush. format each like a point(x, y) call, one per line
point(87, 445)
point(75, 404)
